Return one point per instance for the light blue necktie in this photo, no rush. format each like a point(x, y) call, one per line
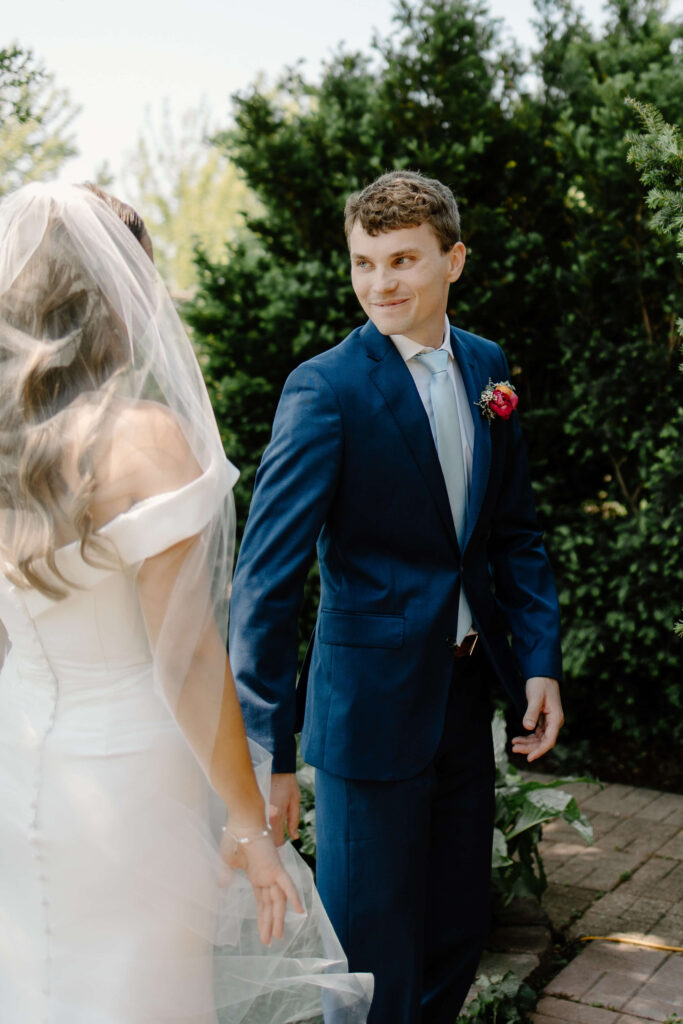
point(448, 438)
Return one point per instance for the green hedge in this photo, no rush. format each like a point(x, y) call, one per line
point(562, 269)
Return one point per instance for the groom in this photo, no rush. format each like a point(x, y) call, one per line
point(388, 452)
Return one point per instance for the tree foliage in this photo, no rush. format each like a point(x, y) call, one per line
point(612, 494)
point(35, 121)
point(191, 193)
point(562, 270)
point(657, 153)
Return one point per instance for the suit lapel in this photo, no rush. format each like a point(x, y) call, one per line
point(392, 378)
point(481, 456)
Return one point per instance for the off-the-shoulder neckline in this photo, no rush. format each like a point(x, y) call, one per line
point(162, 497)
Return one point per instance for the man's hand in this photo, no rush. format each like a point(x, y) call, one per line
point(285, 801)
point(543, 714)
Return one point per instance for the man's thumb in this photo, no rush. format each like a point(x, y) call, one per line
point(532, 712)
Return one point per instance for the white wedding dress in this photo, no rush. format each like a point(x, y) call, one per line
point(112, 905)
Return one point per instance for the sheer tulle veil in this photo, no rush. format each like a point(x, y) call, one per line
point(100, 389)
point(89, 333)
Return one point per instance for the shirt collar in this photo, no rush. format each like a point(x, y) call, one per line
point(408, 348)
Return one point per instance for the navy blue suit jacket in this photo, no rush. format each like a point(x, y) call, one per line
point(352, 466)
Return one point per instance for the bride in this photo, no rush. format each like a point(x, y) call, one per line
point(126, 897)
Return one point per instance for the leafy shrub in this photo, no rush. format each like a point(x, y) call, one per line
point(657, 153)
point(522, 806)
point(306, 778)
point(562, 269)
point(501, 999)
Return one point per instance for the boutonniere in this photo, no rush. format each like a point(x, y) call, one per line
point(498, 400)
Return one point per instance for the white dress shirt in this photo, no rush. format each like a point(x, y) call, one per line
point(422, 375)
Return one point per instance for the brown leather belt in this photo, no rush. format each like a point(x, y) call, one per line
point(466, 648)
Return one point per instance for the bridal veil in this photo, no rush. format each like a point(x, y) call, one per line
point(91, 350)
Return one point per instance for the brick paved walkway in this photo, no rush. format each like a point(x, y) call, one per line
point(629, 884)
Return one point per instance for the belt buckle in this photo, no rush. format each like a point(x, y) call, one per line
point(466, 648)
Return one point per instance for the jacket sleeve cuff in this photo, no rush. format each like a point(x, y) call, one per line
point(284, 758)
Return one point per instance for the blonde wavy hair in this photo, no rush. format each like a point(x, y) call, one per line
point(60, 339)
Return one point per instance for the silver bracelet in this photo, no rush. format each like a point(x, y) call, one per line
point(245, 840)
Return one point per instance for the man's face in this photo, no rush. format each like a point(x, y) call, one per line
point(401, 280)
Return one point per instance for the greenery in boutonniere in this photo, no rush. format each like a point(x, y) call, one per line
point(498, 400)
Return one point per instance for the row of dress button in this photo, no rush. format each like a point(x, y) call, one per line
point(34, 832)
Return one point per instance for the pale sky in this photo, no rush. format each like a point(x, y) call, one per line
point(117, 59)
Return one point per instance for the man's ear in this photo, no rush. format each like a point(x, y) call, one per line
point(456, 259)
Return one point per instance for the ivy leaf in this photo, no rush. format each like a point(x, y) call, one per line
point(500, 854)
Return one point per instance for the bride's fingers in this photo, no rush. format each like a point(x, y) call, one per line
point(287, 885)
point(279, 906)
point(265, 917)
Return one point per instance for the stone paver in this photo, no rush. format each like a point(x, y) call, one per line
point(661, 808)
point(671, 973)
point(521, 964)
point(670, 931)
point(574, 981)
point(613, 990)
point(671, 888)
point(635, 866)
point(674, 848)
point(572, 866)
point(601, 959)
point(607, 872)
point(670, 926)
point(622, 912)
point(676, 815)
point(652, 876)
point(644, 984)
point(561, 1010)
point(655, 1002)
point(623, 801)
point(564, 903)
point(603, 824)
point(644, 837)
point(629, 884)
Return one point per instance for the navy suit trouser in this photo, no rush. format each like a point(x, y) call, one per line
point(404, 867)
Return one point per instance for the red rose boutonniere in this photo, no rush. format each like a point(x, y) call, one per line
point(498, 400)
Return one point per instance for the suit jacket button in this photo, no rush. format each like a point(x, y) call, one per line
point(450, 642)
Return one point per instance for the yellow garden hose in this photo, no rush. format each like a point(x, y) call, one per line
point(631, 942)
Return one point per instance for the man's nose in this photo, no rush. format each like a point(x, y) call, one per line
point(385, 280)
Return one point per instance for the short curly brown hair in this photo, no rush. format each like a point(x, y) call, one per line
point(405, 199)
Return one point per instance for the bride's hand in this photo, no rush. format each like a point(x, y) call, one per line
point(272, 885)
